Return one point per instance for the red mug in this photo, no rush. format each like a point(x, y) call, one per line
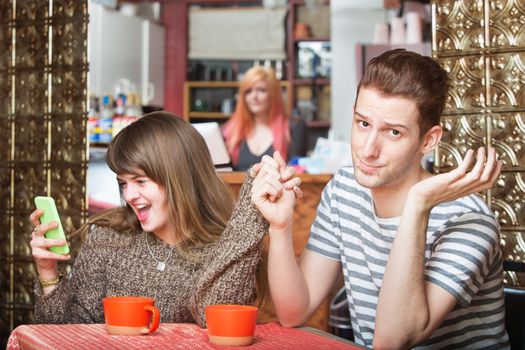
point(231, 325)
point(130, 315)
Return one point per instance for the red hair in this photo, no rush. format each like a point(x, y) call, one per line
point(242, 122)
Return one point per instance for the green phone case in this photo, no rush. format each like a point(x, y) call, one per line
point(47, 204)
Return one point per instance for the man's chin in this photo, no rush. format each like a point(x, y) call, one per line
point(368, 181)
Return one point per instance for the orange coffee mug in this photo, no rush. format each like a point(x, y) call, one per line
point(231, 325)
point(130, 315)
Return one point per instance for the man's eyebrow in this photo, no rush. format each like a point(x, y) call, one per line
point(390, 125)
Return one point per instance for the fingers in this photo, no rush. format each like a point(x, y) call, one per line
point(287, 173)
point(280, 161)
point(290, 184)
point(254, 170)
point(465, 163)
point(41, 229)
point(35, 217)
point(273, 176)
point(40, 248)
point(477, 170)
point(490, 166)
point(298, 192)
point(483, 174)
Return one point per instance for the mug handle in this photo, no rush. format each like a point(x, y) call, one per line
point(155, 319)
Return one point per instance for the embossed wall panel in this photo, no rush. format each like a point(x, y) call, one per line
point(461, 133)
point(507, 24)
point(509, 199)
point(507, 78)
point(5, 90)
point(508, 136)
point(459, 27)
point(43, 114)
point(485, 60)
point(5, 135)
point(467, 89)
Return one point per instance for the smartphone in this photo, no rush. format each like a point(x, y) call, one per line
point(47, 204)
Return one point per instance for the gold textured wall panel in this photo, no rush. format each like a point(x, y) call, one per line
point(482, 46)
point(43, 116)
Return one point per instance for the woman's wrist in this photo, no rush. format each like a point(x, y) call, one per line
point(48, 274)
point(48, 282)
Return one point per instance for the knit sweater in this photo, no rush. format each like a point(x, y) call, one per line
point(118, 264)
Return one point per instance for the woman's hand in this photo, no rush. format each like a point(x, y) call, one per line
point(275, 189)
point(46, 260)
point(458, 182)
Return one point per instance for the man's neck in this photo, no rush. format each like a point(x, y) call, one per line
point(389, 201)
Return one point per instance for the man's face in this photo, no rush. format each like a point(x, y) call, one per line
point(386, 145)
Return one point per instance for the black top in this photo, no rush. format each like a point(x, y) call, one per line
point(247, 158)
point(298, 146)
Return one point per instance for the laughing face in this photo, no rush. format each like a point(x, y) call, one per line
point(148, 201)
point(386, 145)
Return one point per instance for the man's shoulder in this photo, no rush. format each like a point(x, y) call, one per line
point(467, 208)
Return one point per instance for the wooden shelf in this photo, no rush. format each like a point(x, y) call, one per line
point(320, 81)
point(312, 39)
point(208, 115)
point(234, 85)
point(318, 124)
point(98, 144)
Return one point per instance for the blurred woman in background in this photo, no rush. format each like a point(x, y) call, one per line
point(259, 125)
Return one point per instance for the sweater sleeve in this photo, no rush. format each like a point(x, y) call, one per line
point(78, 297)
point(229, 277)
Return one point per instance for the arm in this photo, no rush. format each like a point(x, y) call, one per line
point(77, 298)
point(229, 277)
point(420, 307)
point(296, 290)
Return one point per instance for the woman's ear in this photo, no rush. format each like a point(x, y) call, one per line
point(432, 138)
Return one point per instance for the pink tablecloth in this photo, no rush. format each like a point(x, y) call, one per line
point(168, 336)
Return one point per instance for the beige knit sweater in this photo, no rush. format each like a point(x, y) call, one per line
point(112, 263)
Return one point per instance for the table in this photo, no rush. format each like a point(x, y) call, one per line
point(169, 335)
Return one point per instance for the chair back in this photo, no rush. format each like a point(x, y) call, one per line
point(515, 309)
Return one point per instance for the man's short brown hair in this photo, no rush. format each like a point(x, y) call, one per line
point(410, 75)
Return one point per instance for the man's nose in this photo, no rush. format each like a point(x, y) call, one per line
point(372, 145)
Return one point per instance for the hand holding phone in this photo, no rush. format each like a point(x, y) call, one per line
point(47, 204)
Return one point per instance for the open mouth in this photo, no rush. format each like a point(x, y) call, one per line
point(142, 211)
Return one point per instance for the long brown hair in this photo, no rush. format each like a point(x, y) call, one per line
point(242, 121)
point(174, 155)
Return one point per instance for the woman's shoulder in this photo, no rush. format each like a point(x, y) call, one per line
point(102, 235)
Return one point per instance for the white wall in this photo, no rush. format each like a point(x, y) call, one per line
point(352, 22)
point(125, 47)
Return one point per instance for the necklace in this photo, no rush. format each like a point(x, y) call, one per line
point(161, 265)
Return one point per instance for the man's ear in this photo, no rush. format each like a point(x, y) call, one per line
point(432, 138)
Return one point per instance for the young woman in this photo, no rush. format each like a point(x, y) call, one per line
point(259, 125)
point(171, 240)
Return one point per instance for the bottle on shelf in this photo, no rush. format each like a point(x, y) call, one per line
point(93, 119)
point(106, 119)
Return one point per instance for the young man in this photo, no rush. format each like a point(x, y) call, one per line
point(420, 253)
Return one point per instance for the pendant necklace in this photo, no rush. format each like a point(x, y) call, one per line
point(161, 265)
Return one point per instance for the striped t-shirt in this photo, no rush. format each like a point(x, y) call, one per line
point(462, 256)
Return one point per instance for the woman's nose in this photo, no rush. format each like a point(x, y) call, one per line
point(130, 193)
